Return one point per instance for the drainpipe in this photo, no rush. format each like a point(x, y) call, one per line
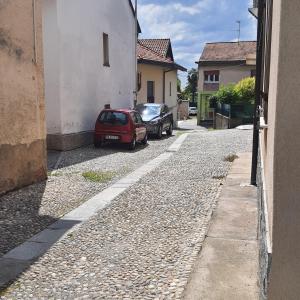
point(164, 84)
point(34, 31)
point(135, 53)
point(258, 82)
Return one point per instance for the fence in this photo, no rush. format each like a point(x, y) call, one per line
point(233, 115)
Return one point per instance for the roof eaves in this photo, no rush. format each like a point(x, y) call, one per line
point(235, 62)
point(161, 63)
point(133, 11)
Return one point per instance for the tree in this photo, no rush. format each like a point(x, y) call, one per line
point(178, 85)
point(242, 92)
point(226, 94)
point(191, 88)
point(245, 90)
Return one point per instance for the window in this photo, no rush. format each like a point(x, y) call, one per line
point(211, 76)
point(139, 81)
point(170, 88)
point(138, 118)
point(150, 91)
point(113, 118)
point(105, 50)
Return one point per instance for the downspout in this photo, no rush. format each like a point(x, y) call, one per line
point(135, 53)
point(34, 32)
point(164, 84)
point(258, 81)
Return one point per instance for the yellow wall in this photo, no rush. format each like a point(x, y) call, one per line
point(155, 73)
point(22, 119)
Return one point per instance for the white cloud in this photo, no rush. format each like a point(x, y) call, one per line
point(189, 26)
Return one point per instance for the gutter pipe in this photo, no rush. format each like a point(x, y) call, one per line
point(258, 84)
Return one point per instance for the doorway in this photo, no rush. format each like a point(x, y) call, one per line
point(150, 91)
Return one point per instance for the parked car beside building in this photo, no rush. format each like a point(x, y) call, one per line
point(85, 63)
point(193, 111)
point(157, 73)
point(120, 126)
point(157, 118)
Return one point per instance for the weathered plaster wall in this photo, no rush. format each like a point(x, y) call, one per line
point(285, 270)
point(228, 74)
point(77, 84)
point(22, 128)
point(150, 73)
point(155, 73)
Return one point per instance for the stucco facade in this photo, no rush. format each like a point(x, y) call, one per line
point(280, 153)
point(22, 120)
point(78, 84)
point(228, 75)
point(156, 74)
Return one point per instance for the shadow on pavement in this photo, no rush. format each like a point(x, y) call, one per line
point(22, 239)
point(58, 160)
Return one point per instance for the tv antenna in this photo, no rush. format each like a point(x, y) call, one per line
point(239, 30)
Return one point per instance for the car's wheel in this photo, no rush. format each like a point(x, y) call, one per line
point(159, 132)
point(97, 143)
point(132, 144)
point(170, 130)
point(145, 140)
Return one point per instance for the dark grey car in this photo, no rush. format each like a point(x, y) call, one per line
point(157, 117)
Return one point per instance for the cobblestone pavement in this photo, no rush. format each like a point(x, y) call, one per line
point(144, 244)
point(27, 211)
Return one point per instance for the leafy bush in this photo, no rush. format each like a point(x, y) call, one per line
point(245, 90)
point(213, 101)
point(242, 92)
point(227, 94)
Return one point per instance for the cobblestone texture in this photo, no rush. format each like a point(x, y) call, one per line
point(27, 211)
point(144, 244)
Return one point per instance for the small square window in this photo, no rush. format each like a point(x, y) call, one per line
point(105, 50)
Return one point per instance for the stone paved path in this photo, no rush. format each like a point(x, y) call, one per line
point(27, 211)
point(144, 244)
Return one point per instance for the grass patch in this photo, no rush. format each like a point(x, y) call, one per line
point(100, 177)
point(54, 173)
point(181, 132)
point(231, 158)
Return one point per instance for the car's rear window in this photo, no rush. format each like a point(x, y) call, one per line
point(113, 118)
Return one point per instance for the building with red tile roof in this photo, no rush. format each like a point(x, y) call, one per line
point(157, 73)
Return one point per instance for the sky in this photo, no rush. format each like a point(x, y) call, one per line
point(192, 23)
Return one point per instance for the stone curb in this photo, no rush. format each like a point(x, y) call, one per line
point(18, 259)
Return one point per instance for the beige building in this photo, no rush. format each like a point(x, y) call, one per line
point(157, 73)
point(222, 64)
point(278, 90)
point(22, 120)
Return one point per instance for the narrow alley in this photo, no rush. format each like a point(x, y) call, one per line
point(143, 244)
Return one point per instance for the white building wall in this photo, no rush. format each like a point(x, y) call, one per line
point(77, 84)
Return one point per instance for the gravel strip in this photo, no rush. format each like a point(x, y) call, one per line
point(144, 244)
point(27, 211)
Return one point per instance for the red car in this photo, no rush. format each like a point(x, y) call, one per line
point(120, 126)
